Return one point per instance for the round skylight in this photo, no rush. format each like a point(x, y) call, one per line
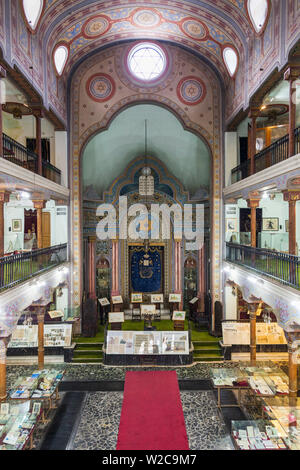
point(147, 61)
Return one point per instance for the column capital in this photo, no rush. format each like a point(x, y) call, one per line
point(292, 73)
point(253, 203)
point(2, 72)
point(291, 195)
point(39, 204)
point(254, 112)
point(92, 239)
point(4, 196)
point(37, 111)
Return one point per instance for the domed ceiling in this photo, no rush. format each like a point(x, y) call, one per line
point(206, 27)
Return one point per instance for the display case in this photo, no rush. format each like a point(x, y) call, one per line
point(257, 435)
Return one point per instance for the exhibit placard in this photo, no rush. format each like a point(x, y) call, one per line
point(239, 333)
point(25, 336)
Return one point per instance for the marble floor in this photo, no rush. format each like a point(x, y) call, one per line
point(100, 417)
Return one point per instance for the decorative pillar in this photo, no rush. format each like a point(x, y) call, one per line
point(292, 197)
point(92, 267)
point(201, 278)
point(41, 356)
point(38, 114)
point(178, 270)
point(2, 75)
point(254, 114)
point(252, 313)
point(39, 205)
point(4, 197)
point(3, 348)
point(115, 289)
point(253, 204)
point(292, 74)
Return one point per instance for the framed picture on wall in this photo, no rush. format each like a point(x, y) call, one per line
point(271, 225)
point(17, 225)
point(287, 225)
point(231, 225)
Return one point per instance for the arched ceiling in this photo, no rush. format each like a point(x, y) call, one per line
point(205, 27)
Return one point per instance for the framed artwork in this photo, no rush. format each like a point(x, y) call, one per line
point(104, 301)
point(136, 298)
point(287, 226)
point(157, 298)
point(178, 316)
point(231, 225)
point(174, 298)
point(17, 225)
point(271, 225)
point(117, 299)
point(148, 309)
point(116, 317)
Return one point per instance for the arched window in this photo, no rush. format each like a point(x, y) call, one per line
point(258, 11)
point(231, 60)
point(33, 10)
point(60, 57)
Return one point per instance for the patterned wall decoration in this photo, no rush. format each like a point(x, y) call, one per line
point(191, 90)
point(2, 32)
point(90, 117)
point(100, 87)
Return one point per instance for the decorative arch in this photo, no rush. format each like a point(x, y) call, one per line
point(80, 139)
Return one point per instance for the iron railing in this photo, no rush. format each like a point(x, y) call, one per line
point(275, 153)
point(20, 267)
point(20, 155)
point(283, 267)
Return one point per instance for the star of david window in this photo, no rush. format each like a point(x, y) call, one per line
point(147, 61)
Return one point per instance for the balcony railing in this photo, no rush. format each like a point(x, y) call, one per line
point(283, 267)
point(20, 155)
point(20, 267)
point(275, 153)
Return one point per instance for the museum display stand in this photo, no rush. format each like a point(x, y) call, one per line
point(178, 320)
point(117, 304)
point(18, 423)
point(115, 320)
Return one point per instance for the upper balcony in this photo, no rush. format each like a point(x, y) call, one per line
point(275, 153)
point(16, 153)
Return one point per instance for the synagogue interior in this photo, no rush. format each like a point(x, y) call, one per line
point(149, 225)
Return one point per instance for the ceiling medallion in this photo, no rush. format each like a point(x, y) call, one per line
point(191, 90)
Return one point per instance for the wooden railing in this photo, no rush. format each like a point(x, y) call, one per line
point(20, 155)
point(22, 266)
point(275, 153)
point(283, 267)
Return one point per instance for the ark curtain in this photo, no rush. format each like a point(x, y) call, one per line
point(146, 269)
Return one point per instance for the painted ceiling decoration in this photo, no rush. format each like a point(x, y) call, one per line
point(60, 58)
point(258, 11)
point(32, 11)
point(147, 61)
point(198, 28)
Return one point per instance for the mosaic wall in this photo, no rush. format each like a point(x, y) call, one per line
point(101, 88)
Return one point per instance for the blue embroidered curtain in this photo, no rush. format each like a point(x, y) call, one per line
point(146, 268)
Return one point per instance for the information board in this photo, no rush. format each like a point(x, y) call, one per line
point(147, 342)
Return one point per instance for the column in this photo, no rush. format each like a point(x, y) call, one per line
point(292, 197)
point(39, 205)
point(178, 270)
point(292, 74)
point(4, 197)
point(293, 372)
point(252, 313)
point(38, 114)
point(253, 204)
point(115, 290)
point(2, 98)
point(3, 348)
point(41, 357)
point(201, 278)
point(92, 267)
point(254, 114)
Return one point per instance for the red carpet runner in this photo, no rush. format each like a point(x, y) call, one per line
point(152, 416)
